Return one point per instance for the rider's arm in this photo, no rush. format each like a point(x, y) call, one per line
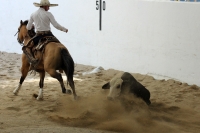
point(55, 23)
point(30, 24)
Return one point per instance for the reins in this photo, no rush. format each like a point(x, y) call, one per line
point(16, 33)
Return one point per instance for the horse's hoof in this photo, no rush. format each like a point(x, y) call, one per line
point(76, 97)
point(39, 98)
point(15, 93)
point(35, 96)
point(63, 90)
point(68, 91)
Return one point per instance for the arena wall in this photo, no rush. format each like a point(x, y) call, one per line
point(158, 38)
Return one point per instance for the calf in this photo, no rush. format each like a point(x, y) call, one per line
point(126, 83)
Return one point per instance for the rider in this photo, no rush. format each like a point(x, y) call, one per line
point(42, 19)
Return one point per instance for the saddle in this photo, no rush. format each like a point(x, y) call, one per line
point(39, 47)
point(44, 41)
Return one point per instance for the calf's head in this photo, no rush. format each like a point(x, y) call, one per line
point(115, 88)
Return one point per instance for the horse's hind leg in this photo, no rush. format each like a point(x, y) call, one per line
point(71, 84)
point(58, 76)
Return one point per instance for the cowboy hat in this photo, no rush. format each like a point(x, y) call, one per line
point(44, 3)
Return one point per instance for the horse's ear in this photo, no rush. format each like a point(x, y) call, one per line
point(106, 86)
point(21, 22)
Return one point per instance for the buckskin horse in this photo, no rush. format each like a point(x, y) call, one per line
point(54, 56)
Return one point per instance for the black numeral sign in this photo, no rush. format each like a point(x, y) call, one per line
point(100, 7)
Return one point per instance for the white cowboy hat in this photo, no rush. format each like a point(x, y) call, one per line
point(44, 3)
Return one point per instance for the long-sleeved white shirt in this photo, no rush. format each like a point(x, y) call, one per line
point(42, 20)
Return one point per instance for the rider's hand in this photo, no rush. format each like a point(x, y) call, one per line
point(66, 30)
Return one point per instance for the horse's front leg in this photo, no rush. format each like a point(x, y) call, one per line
point(16, 90)
point(41, 84)
point(24, 72)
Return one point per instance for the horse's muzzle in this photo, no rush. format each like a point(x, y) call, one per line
point(20, 42)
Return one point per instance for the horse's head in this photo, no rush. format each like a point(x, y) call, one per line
point(22, 31)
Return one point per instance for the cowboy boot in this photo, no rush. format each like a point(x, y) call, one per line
point(30, 57)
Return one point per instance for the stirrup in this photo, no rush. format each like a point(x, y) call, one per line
point(34, 61)
point(31, 67)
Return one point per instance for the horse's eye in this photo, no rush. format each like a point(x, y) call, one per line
point(118, 86)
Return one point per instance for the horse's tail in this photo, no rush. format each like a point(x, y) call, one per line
point(68, 64)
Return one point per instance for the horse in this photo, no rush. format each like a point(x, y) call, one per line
point(55, 56)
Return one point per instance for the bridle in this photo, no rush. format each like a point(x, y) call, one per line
point(20, 42)
point(31, 33)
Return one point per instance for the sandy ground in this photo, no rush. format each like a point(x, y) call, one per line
point(175, 106)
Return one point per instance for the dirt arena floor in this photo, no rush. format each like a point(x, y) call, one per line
point(175, 106)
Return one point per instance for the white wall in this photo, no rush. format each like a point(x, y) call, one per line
point(149, 37)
